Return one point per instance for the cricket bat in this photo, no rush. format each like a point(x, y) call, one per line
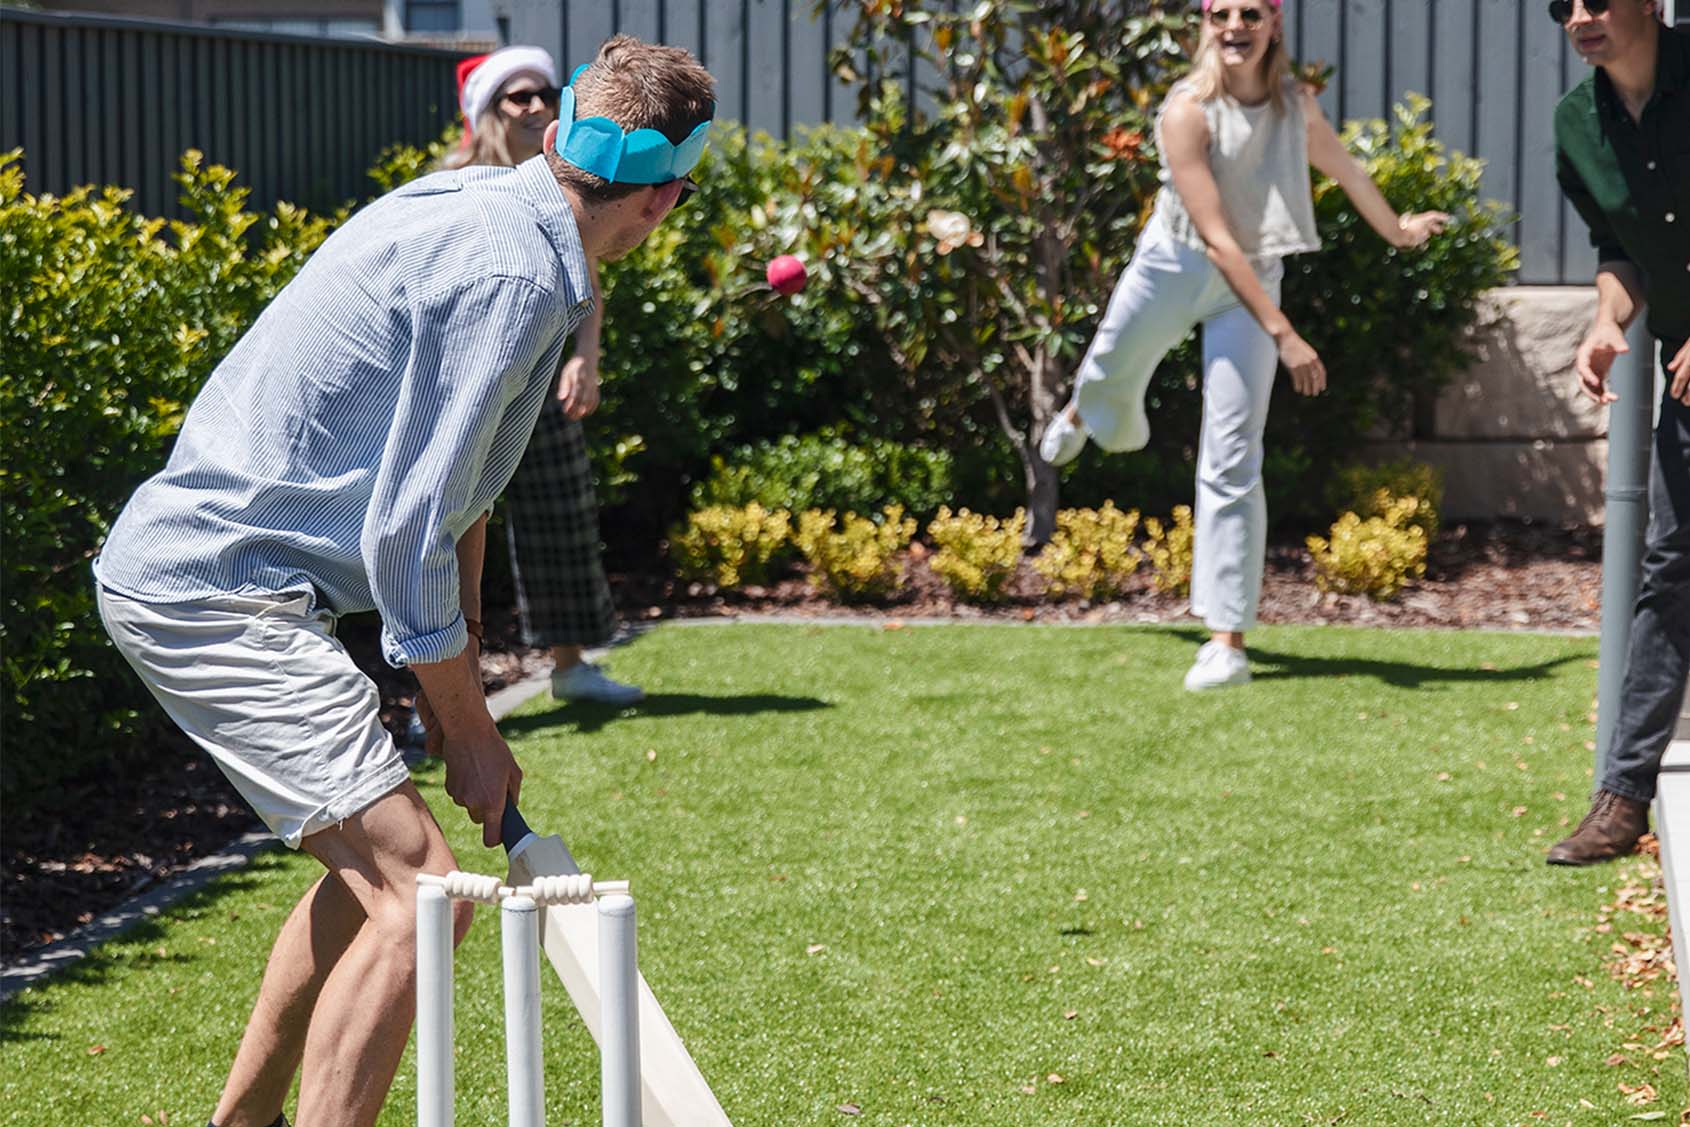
point(673, 1092)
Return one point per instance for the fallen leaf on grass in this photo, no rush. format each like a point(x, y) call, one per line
point(1070, 1015)
point(96, 1050)
point(850, 1109)
point(1638, 1094)
point(815, 948)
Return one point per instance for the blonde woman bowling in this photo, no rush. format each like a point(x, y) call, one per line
point(1237, 137)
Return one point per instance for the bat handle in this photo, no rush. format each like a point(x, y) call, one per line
point(512, 827)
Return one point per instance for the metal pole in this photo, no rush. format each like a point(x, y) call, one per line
point(434, 1008)
point(520, 935)
point(1630, 426)
point(619, 1012)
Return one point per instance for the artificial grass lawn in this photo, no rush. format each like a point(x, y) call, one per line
point(998, 875)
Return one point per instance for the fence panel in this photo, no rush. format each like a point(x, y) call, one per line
point(1493, 69)
point(299, 118)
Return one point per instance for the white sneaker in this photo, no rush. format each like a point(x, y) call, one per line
point(1062, 441)
point(1217, 666)
point(587, 682)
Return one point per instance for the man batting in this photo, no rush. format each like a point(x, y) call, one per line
point(342, 458)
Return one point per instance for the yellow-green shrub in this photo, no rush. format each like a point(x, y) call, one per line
point(1168, 548)
point(1374, 555)
point(858, 560)
point(977, 555)
point(730, 546)
point(1368, 491)
point(1092, 553)
point(113, 320)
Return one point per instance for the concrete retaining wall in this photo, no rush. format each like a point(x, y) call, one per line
point(1513, 434)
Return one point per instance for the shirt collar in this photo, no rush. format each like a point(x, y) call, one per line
point(535, 183)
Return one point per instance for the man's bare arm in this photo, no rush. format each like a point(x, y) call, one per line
point(480, 770)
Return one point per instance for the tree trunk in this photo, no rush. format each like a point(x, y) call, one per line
point(1043, 493)
point(1043, 481)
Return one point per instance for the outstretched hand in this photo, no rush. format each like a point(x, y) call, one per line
point(1417, 227)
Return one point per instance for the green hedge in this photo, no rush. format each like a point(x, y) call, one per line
point(825, 471)
point(112, 323)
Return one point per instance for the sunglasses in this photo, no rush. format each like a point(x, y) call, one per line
point(1562, 10)
point(522, 99)
point(688, 187)
point(1252, 18)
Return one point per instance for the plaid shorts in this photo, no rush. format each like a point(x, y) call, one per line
point(552, 518)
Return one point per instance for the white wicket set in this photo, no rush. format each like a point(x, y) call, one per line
point(547, 905)
point(520, 910)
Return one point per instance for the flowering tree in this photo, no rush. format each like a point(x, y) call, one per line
point(1025, 132)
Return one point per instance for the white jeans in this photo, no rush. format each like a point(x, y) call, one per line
point(1165, 291)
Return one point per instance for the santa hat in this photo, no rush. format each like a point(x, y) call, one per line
point(479, 78)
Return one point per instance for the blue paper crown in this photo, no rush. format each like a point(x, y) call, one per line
point(645, 156)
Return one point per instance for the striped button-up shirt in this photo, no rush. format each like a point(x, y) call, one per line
point(372, 413)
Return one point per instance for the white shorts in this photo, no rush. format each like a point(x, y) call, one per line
point(264, 687)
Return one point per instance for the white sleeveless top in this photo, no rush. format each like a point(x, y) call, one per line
point(1260, 161)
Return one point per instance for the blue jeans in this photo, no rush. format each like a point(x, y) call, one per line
point(1658, 660)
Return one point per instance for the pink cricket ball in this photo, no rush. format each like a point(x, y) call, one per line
point(787, 275)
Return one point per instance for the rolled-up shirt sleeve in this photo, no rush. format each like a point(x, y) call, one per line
point(474, 348)
point(1602, 237)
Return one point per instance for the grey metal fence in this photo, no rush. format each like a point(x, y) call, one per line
point(110, 101)
point(115, 101)
point(1493, 69)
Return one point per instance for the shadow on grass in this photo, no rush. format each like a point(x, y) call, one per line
point(102, 965)
point(1399, 674)
point(588, 717)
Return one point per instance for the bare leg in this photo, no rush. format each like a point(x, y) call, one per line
point(1233, 638)
point(313, 939)
point(365, 997)
point(565, 658)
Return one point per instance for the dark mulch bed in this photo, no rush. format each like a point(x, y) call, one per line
point(131, 831)
point(1506, 576)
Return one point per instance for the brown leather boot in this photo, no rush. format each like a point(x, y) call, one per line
point(1612, 828)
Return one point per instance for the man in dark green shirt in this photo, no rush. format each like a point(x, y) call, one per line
point(1622, 156)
